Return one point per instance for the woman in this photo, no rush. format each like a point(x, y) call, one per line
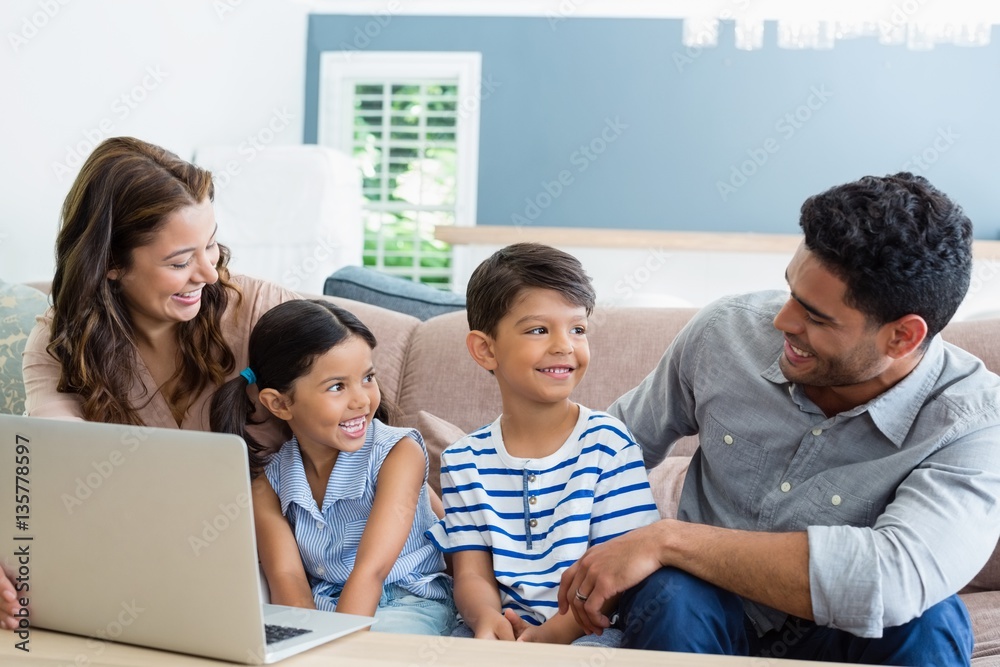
point(146, 320)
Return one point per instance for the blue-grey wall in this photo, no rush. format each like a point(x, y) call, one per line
point(646, 134)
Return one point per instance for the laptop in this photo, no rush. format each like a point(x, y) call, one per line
point(144, 536)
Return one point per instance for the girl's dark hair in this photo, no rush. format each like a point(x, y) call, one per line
point(283, 346)
point(119, 201)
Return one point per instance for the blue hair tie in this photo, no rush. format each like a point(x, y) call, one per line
point(248, 374)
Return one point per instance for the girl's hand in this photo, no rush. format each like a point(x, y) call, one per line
point(495, 627)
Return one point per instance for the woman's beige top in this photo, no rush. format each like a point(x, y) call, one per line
point(42, 371)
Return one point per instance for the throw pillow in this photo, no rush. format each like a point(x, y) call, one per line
point(438, 436)
point(19, 305)
point(379, 289)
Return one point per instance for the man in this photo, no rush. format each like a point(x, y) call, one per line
point(847, 480)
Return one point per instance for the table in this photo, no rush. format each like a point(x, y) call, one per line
point(371, 649)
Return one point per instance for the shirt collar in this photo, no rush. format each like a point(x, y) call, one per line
point(292, 479)
point(350, 474)
point(892, 411)
point(348, 479)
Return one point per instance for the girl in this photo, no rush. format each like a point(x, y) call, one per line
point(342, 507)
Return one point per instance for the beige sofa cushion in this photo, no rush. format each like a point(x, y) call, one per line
point(978, 337)
point(984, 609)
point(438, 436)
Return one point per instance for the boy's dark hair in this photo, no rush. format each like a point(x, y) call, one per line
point(900, 245)
point(283, 346)
point(497, 283)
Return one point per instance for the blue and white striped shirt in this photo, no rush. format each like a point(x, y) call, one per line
point(538, 516)
point(328, 539)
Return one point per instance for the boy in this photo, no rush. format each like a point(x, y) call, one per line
point(526, 495)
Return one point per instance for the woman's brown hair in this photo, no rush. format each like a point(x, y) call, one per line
point(121, 198)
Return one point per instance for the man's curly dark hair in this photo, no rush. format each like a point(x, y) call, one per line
point(900, 245)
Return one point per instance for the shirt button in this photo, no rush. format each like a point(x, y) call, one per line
point(533, 523)
point(728, 439)
point(531, 478)
point(532, 500)
point(817, 431)
point(835, 500)
point(320, 571)
point(319, 525)
point(786, 487)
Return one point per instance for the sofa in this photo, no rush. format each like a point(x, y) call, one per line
point(425, 370)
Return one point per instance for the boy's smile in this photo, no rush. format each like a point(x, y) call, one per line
point(540, 350)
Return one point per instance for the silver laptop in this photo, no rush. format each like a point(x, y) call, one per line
point(143, 536)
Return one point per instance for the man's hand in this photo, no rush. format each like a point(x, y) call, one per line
point(8, 603)
point(607, 570)
point(494, 626)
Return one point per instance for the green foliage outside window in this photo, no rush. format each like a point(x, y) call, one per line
point(407, 155)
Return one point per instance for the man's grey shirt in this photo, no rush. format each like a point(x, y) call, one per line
point(898, 496)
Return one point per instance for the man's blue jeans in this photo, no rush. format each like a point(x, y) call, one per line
point(672, 610)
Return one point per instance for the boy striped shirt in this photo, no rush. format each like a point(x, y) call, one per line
point(538, 516)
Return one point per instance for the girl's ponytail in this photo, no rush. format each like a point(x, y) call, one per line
point(232, 411)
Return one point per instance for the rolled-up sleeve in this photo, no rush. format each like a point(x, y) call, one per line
point(931, 540)
point(41, 372)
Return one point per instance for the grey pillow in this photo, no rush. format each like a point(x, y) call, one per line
point(380, 289)
point(19, 305)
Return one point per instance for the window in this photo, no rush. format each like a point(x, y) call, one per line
point(411, 121)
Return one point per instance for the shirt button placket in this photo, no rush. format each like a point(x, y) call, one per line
point(529, 521)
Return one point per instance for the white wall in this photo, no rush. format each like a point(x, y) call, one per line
point(189, 73)
point(179, 73)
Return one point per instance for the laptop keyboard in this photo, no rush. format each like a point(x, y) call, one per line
point(277, 633)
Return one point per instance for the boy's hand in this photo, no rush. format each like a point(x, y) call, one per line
point(523, 631)
point(495, 627)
